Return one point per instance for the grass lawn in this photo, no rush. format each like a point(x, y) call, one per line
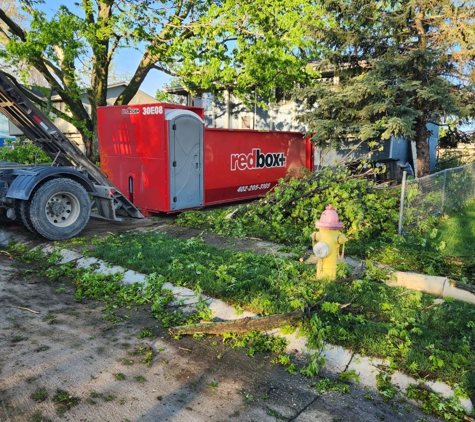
point(448, 249)
point(458, 233)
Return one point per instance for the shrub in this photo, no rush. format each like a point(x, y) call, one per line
point(23, 152)
point(288, 213)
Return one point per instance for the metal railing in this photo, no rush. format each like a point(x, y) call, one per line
point(442, 192)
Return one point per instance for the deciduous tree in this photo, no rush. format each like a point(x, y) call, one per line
point(253, 46)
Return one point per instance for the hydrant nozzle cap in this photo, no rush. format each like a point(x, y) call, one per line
point(329, 220)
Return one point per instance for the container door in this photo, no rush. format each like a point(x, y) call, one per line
point(186, 159)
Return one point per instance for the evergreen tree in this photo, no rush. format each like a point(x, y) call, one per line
point(396, 66)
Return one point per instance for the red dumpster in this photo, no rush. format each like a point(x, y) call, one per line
point(163, 158)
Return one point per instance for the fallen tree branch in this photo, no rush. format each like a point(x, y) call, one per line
point(245, 325)
point(345, 280)
point(347, 304)
point(319, 189)
point(25, 309)
point(10, 256)
point(240, 326)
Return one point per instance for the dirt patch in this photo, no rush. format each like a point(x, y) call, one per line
point(64, 359)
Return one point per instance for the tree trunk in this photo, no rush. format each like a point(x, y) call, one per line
point(240, 326)
point(146, 63)
point(86, 134)
point(422, 148)
point(95, 147)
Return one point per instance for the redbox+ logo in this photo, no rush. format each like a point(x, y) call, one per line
point(257, 160)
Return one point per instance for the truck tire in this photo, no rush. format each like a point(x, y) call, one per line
point(59, 209)
point(22, 209)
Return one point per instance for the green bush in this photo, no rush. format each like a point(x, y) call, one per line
point(288, 213)
point(23, 152)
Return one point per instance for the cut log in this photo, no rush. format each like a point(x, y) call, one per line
point(463, 286)
point(241, 326)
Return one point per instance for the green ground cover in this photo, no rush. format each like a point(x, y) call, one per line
point(364, 315)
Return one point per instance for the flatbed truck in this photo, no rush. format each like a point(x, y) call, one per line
point(54, 200)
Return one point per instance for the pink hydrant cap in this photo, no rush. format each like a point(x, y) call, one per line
point(329, 220)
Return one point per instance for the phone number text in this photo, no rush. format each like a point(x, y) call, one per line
point(250, 188)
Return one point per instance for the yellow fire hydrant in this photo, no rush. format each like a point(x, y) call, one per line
point(326, 243)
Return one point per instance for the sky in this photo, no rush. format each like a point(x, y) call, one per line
point(127, 59)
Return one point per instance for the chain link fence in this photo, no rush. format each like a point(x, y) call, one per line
point(438, 193)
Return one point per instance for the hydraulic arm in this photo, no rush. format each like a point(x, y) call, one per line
point(18, 108)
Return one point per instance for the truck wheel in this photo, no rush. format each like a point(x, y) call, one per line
point(22, 209)
point(59, 209)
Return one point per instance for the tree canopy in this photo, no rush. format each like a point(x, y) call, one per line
point(399, 65)
point(395, 67)
point(255, 47)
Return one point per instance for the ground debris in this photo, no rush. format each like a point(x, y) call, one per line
point(25, 309)
point(240, 326)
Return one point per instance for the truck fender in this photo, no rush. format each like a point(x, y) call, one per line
point(27, 180)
